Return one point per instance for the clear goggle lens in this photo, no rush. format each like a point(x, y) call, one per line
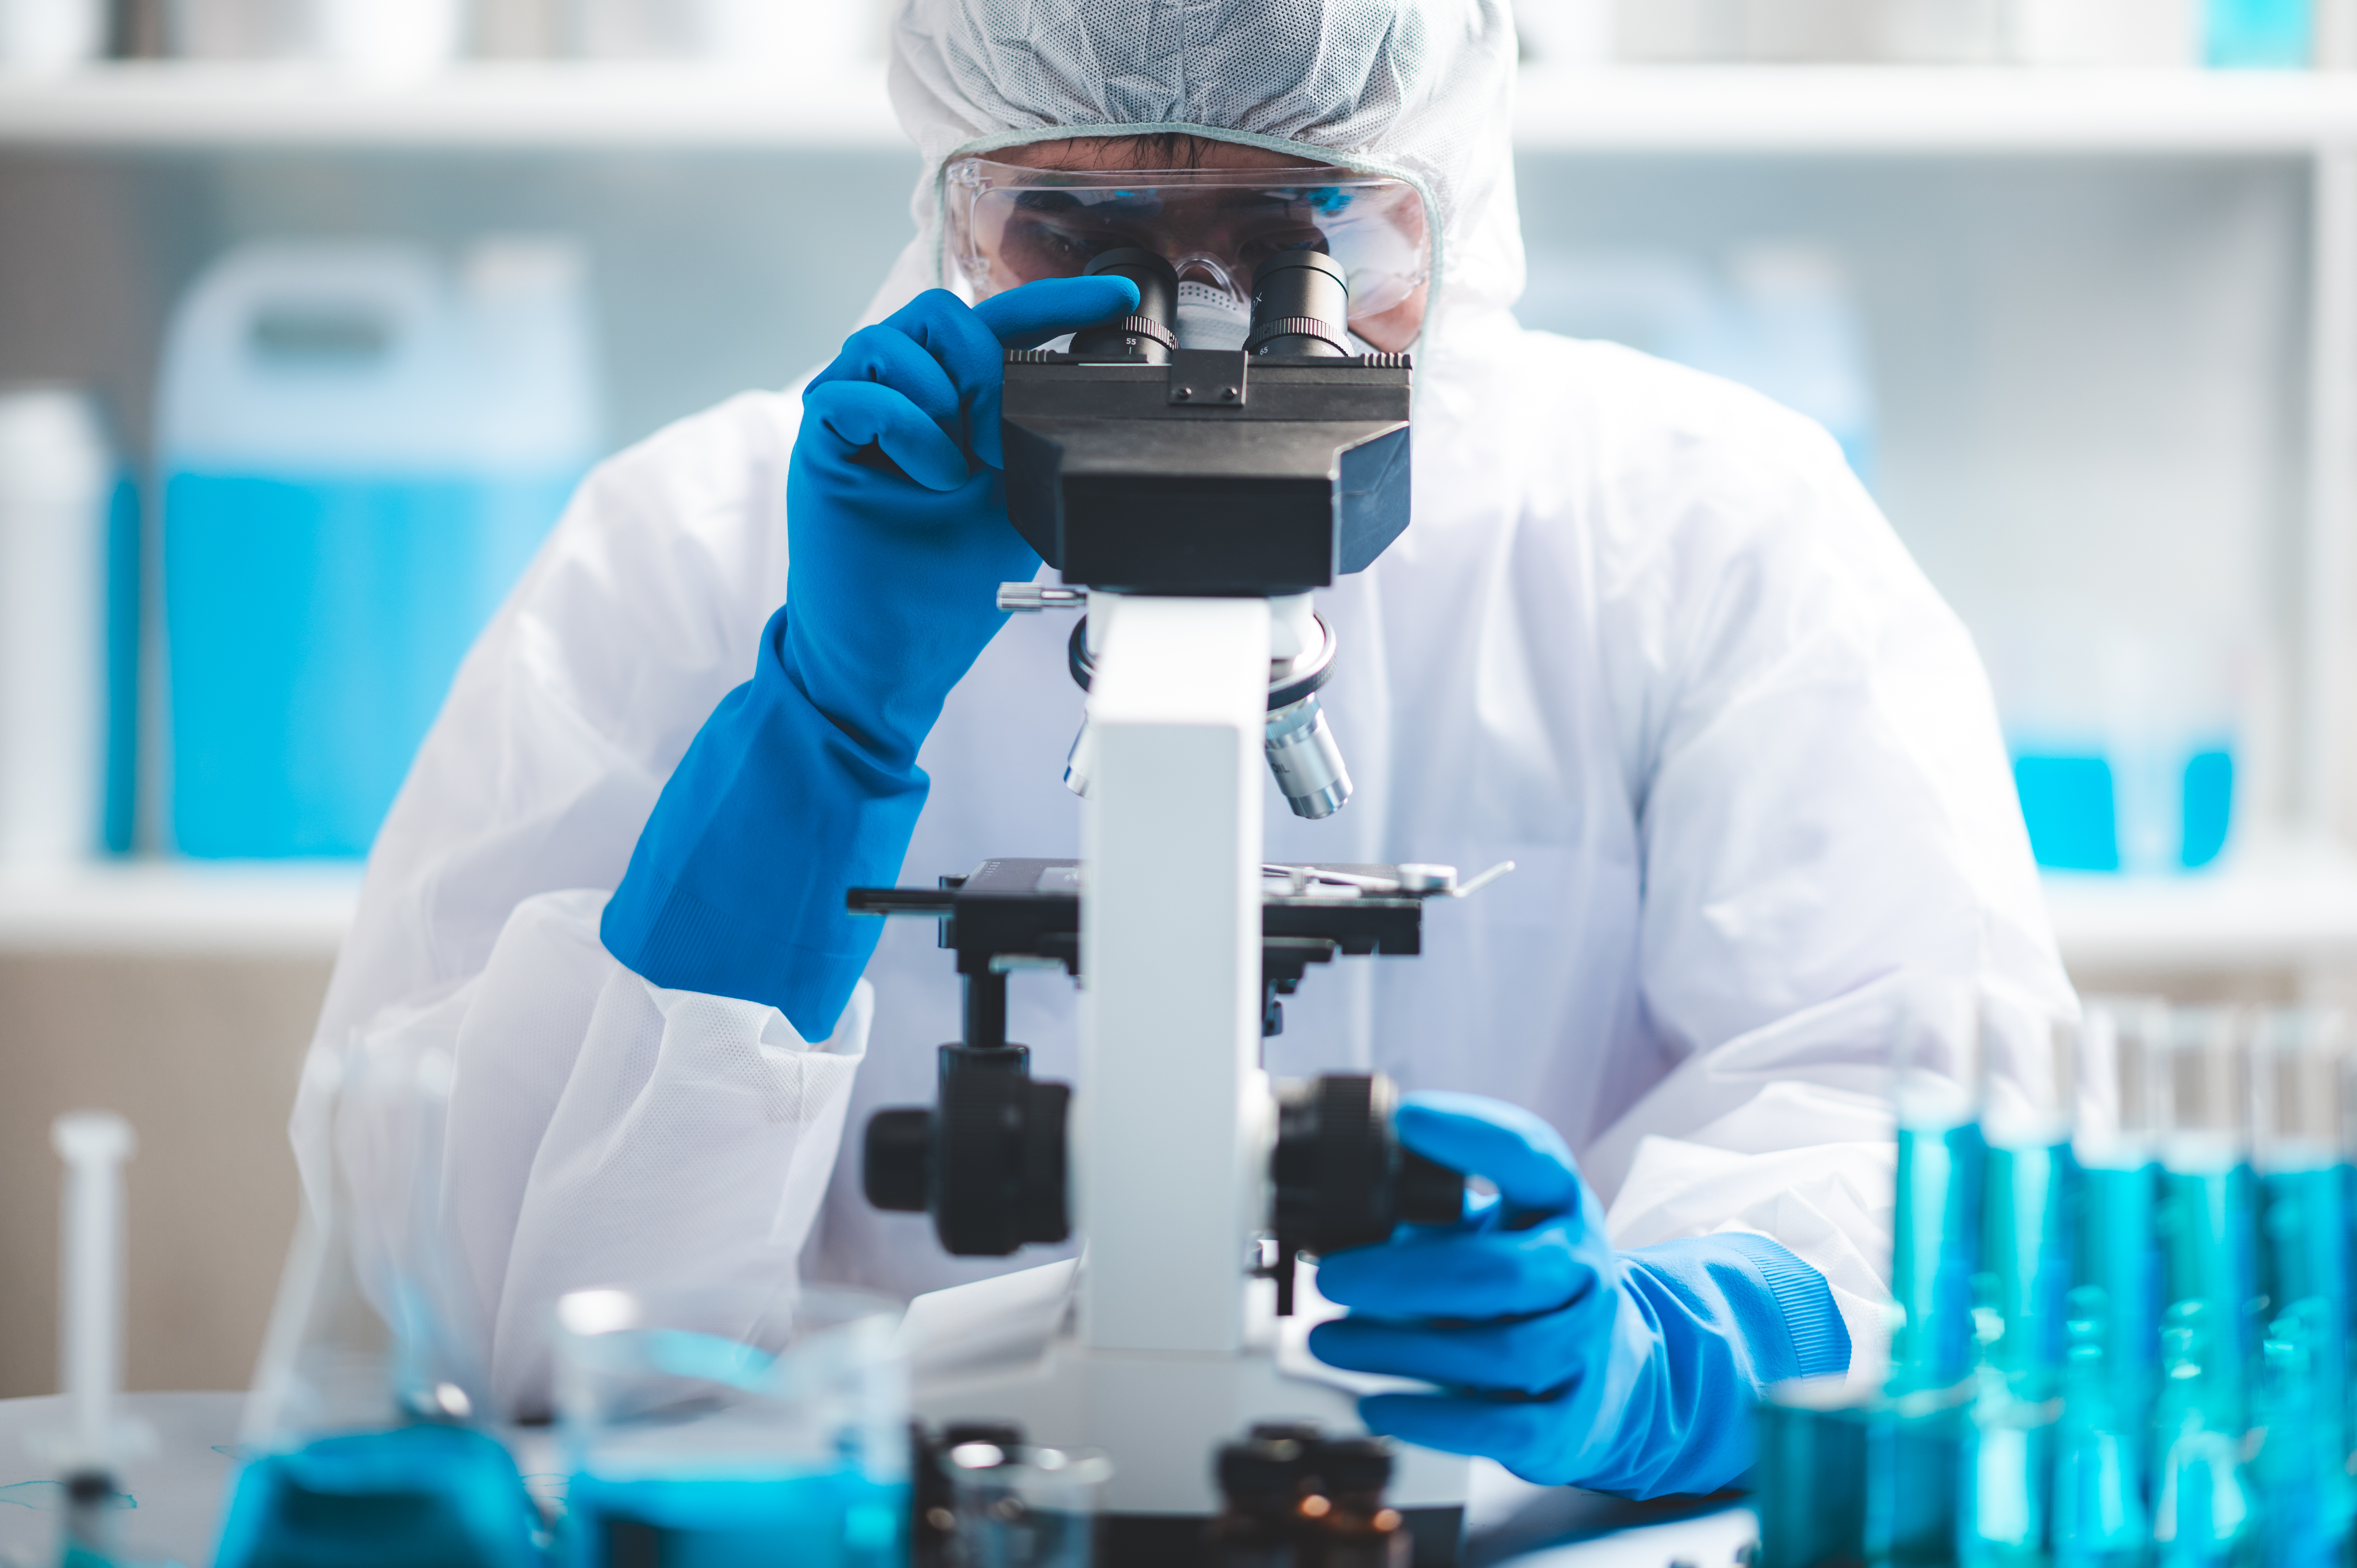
point(1010, 225)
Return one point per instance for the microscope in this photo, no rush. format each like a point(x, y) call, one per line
point(1191, 500)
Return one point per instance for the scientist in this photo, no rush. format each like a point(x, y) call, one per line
point(1647, 636)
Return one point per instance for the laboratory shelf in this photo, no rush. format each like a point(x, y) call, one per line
point(2294, 914)
point(2285, 914)
point(524, 105)
point(1697, 109)
point(1902, 110)
point(274, 909)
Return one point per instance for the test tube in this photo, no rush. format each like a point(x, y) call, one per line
point(1935, 1233)
point(1914, 1445)
point(2101, 1518)
point(2029, 1084)
point(1809, 1485)
point(2299, 1058)
point(94, 1144)
point(2204, 1502)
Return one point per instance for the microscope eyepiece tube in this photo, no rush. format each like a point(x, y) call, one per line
point(1147, 332)
point(1301, 304)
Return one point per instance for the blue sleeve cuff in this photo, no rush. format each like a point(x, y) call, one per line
point(1782, 1310)
point(736, 885)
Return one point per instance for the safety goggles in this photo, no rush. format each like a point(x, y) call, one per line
point(1010, 226)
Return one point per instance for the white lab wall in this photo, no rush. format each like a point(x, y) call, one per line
point(2088, 378)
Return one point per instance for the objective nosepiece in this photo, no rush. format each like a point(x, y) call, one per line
point(1302, 752)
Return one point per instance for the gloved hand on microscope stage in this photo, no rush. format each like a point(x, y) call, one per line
point(1568, 1362)
point(804, 779)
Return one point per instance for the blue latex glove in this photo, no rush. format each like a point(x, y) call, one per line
point(804, 781)
point(1567, 1362)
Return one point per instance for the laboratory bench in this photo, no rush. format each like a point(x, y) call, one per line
point(178, 1488)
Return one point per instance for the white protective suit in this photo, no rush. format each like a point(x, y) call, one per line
point(1646, 637)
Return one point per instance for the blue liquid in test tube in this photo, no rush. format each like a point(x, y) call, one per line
point(2103, 1502)
point(1915, 1445)
point(2304, 1263)
point(2205, 1500)
point(2029, 1187)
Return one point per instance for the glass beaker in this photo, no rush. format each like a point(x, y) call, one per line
point(708, 1428)
point(1026, 1507)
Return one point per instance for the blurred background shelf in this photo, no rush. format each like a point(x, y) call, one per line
point(1899, 109)
point(179, 908)
point(2277, 914)
point(1881, 110)
point(2290, 917)
point(521, 105)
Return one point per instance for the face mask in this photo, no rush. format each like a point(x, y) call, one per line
point(1209, 317)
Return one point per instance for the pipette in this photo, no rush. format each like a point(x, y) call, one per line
point(94, 1144)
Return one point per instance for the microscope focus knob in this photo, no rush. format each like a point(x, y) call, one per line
point(1340, 1175)
point(897, 1162)
point(988, 1163)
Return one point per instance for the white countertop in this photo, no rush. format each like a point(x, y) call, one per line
point(178, 1489)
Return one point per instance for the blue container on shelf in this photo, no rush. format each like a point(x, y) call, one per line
point(2277, 34)
point(2087, 812)
point(359, 448)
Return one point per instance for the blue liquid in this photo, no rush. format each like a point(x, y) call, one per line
point(2007, 1514)
point(2303, 1460)
point(838, 1520)
point(1809, 1486)
point(416, 1494)
point(1934, 1251)
point(315, 628)
point(2206, 1221)
point(2067, 803)
point(1915, 1451)
point(2118, 1250)
point(2271, 34)
point(2102, 1516)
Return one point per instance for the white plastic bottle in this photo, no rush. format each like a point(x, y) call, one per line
point(390, 38)
point(46, 36)
point(55, 481)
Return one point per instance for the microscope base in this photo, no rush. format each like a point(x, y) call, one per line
point(1005, 1349)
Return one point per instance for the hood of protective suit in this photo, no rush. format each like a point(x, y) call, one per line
point(1421, 90)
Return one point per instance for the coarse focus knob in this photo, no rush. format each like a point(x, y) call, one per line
point(896, 1166)
point(1341, 1178)
point(988, 1163)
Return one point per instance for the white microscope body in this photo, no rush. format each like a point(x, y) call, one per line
point(1160, 1344)
point(1199, 496)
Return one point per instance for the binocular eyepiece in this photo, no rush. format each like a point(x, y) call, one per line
point(1301, 306)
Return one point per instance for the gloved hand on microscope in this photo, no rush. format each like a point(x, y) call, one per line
point(1568, 1362)
point(804, 779)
